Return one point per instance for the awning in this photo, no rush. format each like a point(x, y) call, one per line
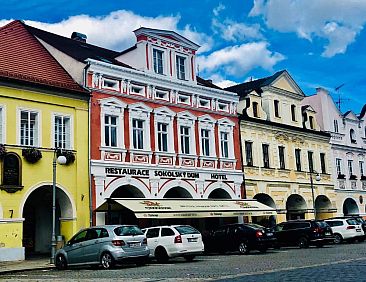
point(188, 208)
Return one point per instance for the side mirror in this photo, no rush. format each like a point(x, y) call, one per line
point(69, 243)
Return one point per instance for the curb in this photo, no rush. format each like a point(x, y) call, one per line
point(2, 272)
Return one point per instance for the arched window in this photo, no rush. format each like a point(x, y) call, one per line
point(352, 136)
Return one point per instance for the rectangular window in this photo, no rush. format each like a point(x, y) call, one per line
point(184, 139)
point(162, 137)
point(205, 142)
point(310, 161)
point(249, 153)
point(224, 144)
point(181, 68)
point(293, 112)
point(281, 155)
point(28, 128)
point(110, 131)
point(336, 126)
point(62, 132)
point(322, 163)
point(361, 164)
point(350, 167)
point(339, 166)
point(311, 121)
point(255, 109)
point(138, 133)
point(298, 159)
point(276, 108)
point(158, 61)
point(265, 149)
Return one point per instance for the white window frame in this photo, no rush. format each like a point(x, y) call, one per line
point(164, 115)
point(2, 124)
point(208, 123)
point(187, 119)
point(335, 126)
point(188, 97)
point(112, 107)
point(164, 60)
point(165, 93)
point(338, 166)
point(39, 127)
point(206, 101)
point(177, 70)
point(110, 80)
point(223, 107)
point(226, 125)
point(350, 167)
point(140, 89)
point(142, 112)
point(361, 165)
point(71, 133)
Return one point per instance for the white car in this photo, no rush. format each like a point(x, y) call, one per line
point(171, 241)
point(345, 229)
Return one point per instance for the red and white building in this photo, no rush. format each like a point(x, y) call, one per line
point(157, 130)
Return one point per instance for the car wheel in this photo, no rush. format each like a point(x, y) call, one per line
point(303, 243)
point(189, 258)
point(106, 260)
point(338, 238)
point(60, 262)
point(161, 255)
point(243, 248)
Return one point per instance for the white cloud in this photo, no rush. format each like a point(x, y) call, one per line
point(337, 21)
point(114, 31)
point(222, 82)
point(233, 31)
point(238, 60)
point(216, 11)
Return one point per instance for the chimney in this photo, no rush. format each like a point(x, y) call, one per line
point(78, 36)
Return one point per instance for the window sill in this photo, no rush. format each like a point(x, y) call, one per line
point(211, 158)
point(188, 156)
point(140, 151)
point(159, 153)
point(112, 149)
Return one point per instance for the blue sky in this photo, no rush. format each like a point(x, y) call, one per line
point(321, 43)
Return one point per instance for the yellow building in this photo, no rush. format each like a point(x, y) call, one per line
point(41, 109)
point(284, 151)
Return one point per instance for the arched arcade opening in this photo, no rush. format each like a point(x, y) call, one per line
point(268, 221)
point(323, 207)
point(350, 207)
point(295, 207)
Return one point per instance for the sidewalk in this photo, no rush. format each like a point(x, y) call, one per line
point(29, 264)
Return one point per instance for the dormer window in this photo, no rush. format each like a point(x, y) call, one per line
point(336, 129)
point(293, 112)
point(158, 61)
point(181, 67)
point(277, 108)
point(352, 136)
point(311, 122)
point(255, 109)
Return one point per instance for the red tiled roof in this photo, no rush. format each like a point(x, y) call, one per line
point(23, 58)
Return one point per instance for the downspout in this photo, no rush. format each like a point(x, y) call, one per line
point(85, 72)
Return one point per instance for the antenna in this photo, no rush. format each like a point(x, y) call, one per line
point(340, 100)
point(198, 69)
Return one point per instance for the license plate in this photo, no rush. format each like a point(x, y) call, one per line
point(269, 234)
point(134, 245)
point(358, 230)
point(192, 239)
point(327, 233)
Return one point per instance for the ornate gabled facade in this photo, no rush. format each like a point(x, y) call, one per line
point(281, 145)
point(41, 109)
point(348, 143)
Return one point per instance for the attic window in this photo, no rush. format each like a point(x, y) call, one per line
point(184, 99)
point(311, 121)
point(223, 107)
point(352, 136)
point(137, 89)
point(161, 95)
point(110, 84)
point(204, 103)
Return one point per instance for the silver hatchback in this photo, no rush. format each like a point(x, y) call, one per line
point(104, 245)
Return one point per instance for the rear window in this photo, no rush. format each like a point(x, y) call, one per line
point(256, 226)
point(322, 224)
point(352, 221)
point(183, 230)
point(334, 223)
point(127, 231)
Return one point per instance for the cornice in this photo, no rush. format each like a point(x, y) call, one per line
point(283, 92)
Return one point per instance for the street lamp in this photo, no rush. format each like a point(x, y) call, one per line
point(61, 160)
point(317, 178)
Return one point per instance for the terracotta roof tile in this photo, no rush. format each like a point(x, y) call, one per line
point(23, 58)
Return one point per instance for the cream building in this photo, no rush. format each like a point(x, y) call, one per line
point(281, 145)
point(348, 151)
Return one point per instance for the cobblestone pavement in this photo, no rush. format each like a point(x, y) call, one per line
point(332, 263)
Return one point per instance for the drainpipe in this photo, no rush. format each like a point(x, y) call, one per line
point(85, 72)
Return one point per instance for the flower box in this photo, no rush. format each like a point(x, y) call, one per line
point(31, 154)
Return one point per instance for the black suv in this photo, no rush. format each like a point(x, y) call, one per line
point(303, 233)
point(239, 237)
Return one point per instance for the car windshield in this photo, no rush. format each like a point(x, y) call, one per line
point(322, 224)
point(127, 231)
point(256, 226)
point(184, 229)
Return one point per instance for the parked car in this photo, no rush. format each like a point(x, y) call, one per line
point(171, 241)
point(240, 237)
point(104, 245)
point(303, 233)
point(346, 229)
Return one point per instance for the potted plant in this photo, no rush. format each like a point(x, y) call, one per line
point(69, 155)
point(31, 154)
point(352, 177)
point(2, 151)
point(341, 176)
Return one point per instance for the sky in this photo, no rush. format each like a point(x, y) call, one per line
point(320, 43)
